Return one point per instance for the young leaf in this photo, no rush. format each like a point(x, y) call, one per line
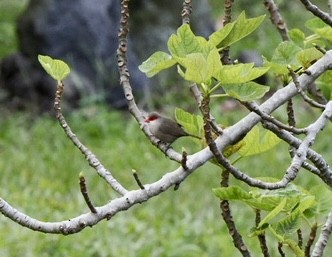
point(196, 68)
point(218, 36)
point(320, 28)
point(258, 141)
point(242, 28)
point(231, 193)
point(239, 73)
point(289, 224)
point(57, 69)
point(156, 62)
point(247, 91)
point(284, 55)
point(273, 213)
point(192, 124)
point(184, 42)
point(307, 56)
point(297, 36)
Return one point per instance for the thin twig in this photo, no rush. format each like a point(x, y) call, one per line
point(261, 237)
point(225, 58)
point(311, 240)
point(299, 238)
point(184, 160)
point(85, 194)
point(280, 250)
point(186, 11)
point(89, 156)
point(138, 181)
point(305, 97)
point(252, 106)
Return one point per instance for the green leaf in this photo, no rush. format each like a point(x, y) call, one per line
point(284, 55)
point(192, 124)
point(258, 141)
point(289, 224)
point(200, 68)
point(247, 91)
point(196, 68)
point(307, 56)
point(322, 200)
point(242, 27)
point(57, 69)
point(239, 73)
point(325, 84)
point(273, 213)
point(320, 28)
point(156, 62)
point(184, 42)
point(297, 36)
point(218, 36)
point(231, 193)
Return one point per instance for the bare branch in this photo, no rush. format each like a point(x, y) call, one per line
point(252, 106)
point(323, 238)
point(85, 194)
point(198, 97)
point(317, 12)
point(261, 237)
point(127, 89)
point(311, 240)
point(138, 181)
point(277, 19)
point(305, 97)
point(89, 156)
point(225, 58)
point(186, 11)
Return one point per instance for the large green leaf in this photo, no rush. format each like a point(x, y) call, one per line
point(184, 42)
point(258, 141)
point(57, 69)
point(156, 62)
point(283, 56)
point(297, 36)
point(200, 68)
point(272, 214)
point(192, 124)
point(307, 56)
point(320, 28)
point(232, 193)
point(242, 27)
point(219, 35)
point(247, 91)
point(239, 73)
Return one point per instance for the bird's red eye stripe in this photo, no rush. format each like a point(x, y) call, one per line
point(151, 118)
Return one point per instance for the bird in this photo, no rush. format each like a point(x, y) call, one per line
point(165, 129)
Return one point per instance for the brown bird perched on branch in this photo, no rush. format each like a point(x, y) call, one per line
point(165, 129)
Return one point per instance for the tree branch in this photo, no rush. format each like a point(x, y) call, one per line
point(323, 238)
point(317, 12)
point(89, 156)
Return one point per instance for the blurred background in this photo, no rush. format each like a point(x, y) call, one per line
point(39, 167)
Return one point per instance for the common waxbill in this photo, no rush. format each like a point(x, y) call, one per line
point(165, 129)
